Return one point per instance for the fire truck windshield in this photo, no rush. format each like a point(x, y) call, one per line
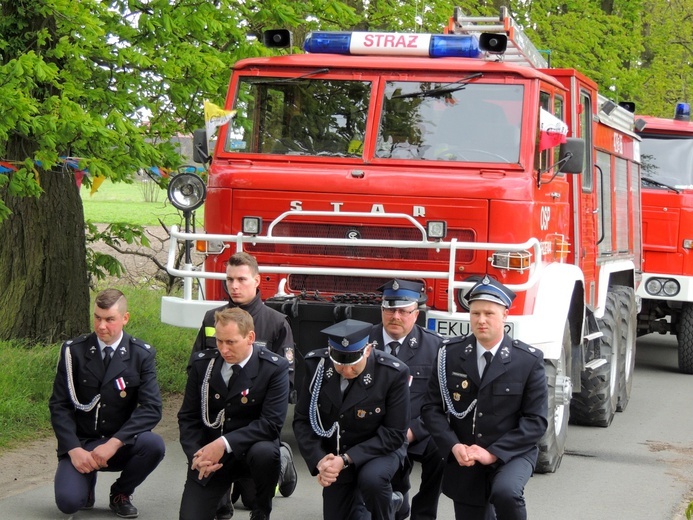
point(668, 161)
point(423, 121)
point(477, 123)
point(299, 117)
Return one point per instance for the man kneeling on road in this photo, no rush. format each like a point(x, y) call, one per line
point(234, 407)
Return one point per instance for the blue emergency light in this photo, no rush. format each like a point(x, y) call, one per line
point(683, 112)
point(393, 44)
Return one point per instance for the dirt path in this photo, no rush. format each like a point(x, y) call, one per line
point(35, 464)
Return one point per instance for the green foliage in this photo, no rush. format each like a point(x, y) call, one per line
point(689, 511)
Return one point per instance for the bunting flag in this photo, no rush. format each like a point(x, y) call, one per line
point(98, 181)
point(216, 116)
point(6, 167)
point(552, 131)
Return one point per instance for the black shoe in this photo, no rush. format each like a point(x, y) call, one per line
point(121, 505)
point(287, 476)
point(224, 512)
point(258, 515)
point(397, 500)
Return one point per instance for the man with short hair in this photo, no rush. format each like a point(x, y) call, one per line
point(399, 335)
point(351, 420)
point(233, 410)
point(104, 405)
point(486, 408)
point(273, 332)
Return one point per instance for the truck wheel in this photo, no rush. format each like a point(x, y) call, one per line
point(596, 404)
point(626, 305)
point(552, 444)
point(685, 339)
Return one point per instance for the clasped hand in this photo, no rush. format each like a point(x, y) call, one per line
point(328, 469)
point(206, 459)
point(470, 455)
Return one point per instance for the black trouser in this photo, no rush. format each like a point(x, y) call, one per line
point(135, 461)
point(371, 482)
point(424, 505)
point(506, 488)
point(261, 463)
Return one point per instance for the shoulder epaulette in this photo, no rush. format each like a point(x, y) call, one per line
point(268, 355)
point(207, 353)
point(141, 343)
point(432, 333)
point(78, 339)
point(317, 353)
point(527, 348)
point(389, 361)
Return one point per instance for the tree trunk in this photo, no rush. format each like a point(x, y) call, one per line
point(44, 286)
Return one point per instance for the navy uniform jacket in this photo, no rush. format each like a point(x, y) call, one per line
point(419, 350)
point(271, 331)
point(254, 407)
point(122, 414)
point(373, 419)
point(510, 416)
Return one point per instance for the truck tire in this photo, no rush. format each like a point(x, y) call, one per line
point(685, 339)
point(596, 404)
point(626, 305)
point(552, 444)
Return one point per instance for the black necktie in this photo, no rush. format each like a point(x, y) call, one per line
point(394, 347)
point(235, 369)
point(107, 353)
point(489, 357)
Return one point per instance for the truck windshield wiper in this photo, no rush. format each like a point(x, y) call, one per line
point(441, 91)
point(302, 76)
point(660, 184)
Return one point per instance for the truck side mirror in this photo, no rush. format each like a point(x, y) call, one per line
point(572, 155)
point(200, 152)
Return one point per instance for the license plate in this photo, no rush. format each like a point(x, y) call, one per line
point(457, 327)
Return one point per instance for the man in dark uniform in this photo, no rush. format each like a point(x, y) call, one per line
point(105, 403)
point(351, 421)
point(486, 408)
point(399, 335)
point(234, 407)
point(273, 332)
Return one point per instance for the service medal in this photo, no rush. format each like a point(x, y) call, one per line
point(244, 399)
point(456, 396)
point(123, 393)
point(465, 384)
point(361, 414)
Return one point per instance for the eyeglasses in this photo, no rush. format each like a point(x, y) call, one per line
point(391, 312)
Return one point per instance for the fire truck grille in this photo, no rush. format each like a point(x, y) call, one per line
point(359, 253)
point(353, 289)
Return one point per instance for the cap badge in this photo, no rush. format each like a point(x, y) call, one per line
point(395, 285)
point(486, 280)
point(345, 342)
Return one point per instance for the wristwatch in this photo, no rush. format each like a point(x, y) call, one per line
point(346, 460)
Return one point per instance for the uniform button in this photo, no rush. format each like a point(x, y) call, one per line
point(479, 435)
point(507, 390)
point(480, 414)
point(341, 416)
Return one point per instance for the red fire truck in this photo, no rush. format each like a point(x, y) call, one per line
point(667, 229)
point(434, 158)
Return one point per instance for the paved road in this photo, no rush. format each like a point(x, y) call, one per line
point(640, 468)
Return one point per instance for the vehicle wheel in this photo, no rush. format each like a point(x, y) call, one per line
point(685, 339)
point(626, 305)
point(552, 444)
point(596, 404)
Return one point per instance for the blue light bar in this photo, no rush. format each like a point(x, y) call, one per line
point(683, 112)
point(393, 44)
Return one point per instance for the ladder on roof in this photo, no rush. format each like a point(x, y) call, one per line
point(520, 51)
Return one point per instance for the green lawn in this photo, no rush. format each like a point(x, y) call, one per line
point(118, 202)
